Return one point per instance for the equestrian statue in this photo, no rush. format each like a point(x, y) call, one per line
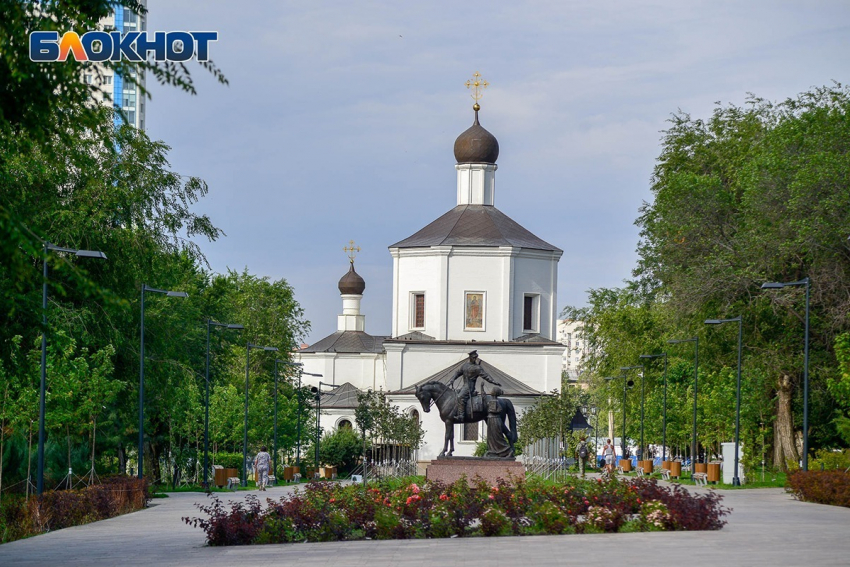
point(468, 406)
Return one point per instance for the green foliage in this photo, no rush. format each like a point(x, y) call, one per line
point(227, 460)
point(830, 460)
point(342, 448)
point(752, 194)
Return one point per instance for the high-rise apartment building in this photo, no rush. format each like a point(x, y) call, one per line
point(569, 334)
point(115, 90)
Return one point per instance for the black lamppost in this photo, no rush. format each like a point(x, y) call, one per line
point(806, 282)
point(642, 392)
point(245, 438)
point(664, 411)
point(318, 393)
point(142, 368)
point(694, 340)
point(210, 323)
point(736, 481)
point(627, 384)
point(298, 426)
point(43, 386)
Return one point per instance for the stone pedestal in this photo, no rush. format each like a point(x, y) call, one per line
point(450, 469)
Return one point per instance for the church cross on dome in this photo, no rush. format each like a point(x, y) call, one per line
point(477, 84)
point(351, 250)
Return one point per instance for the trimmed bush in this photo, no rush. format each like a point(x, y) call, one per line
point(823, 487)
point(332, 512)
point(59, 509)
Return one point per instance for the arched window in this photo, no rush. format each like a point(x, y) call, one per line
point(343, 423)
point(415, 415)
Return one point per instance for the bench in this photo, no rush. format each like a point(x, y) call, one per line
point(700, 478)
point(639, 471)
point(296, 478)
point(665, 474)
point(233, 483)
point(272, 480)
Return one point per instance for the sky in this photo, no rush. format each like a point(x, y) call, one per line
point(340, 118)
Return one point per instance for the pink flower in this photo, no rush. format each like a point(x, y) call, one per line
point(414, 488)
point(492, 497)
point(333, 500)
point(443, 497)
point(495, 489)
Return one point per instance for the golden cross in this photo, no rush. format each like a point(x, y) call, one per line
point(477, 84)
point(351, 250)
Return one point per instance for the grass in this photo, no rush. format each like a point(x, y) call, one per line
point(772, 479)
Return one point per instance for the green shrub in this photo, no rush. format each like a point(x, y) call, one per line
point(830, 460)
point(342, 448)
point(228, 460)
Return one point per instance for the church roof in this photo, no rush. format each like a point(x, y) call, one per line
point(510, 385)
point(348, 341)
point(343, 397)
point(475, 225)
point(534, 338)
point(414, 336)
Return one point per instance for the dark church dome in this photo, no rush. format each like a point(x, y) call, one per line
point(476, 145)
point(351, 283)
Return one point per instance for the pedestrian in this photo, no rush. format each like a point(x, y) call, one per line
point(581, 453)
point(261, 468)
point(608, 452)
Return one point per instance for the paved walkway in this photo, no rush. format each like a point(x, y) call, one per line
point(767, 527)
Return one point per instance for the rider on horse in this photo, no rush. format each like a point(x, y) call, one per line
point(470, 371)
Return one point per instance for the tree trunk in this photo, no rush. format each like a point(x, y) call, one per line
point(122, 459)
point(29, 460)
point(784, 447)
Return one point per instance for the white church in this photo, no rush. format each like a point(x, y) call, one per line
point(473, 279)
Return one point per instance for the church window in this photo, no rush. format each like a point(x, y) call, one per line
point(418, 311)
point(470, 431)
point(344, 424)
point(530, 308)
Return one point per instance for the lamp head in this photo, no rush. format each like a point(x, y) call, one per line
point(772, 285)
point(630, 384)
point(176, 294)
point(713, 321)
point(270, 348)
point(91, 254)
point(236, 326)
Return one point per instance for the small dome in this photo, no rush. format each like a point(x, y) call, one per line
point(351, 283)
point(476, 145)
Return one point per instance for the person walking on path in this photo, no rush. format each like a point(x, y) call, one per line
point(581, 453)
point(261, 468)
point(608, 451)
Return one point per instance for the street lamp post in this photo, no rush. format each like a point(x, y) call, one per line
point(806, 282)
point(167, 293)
point(694, 340)
point(318, 392)
point(626, 385)
point(43, 385)
point(664, 411)
point(248, 348)
point(210, 323)
point(736, 481)
point(298, 426)
point(642, 390)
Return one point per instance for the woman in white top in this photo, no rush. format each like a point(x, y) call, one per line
point(608, 451)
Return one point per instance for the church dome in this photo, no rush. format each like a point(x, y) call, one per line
point(476, 145)
point(351, 283)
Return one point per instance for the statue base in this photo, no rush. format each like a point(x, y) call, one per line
point(450, 469)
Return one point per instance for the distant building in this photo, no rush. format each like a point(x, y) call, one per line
point(570, 335)
point(114, 89)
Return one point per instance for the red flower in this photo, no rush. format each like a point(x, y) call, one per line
point(443, 497)
point(333, 500)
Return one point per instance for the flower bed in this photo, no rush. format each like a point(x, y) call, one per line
point(823, 487)
point(332, 512)
point(59, 509)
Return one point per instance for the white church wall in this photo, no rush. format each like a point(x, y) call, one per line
point(418, 271)
point(535, 273)
point(474, 270)
point(363, 370)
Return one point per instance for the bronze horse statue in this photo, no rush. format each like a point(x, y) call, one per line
point(446, 400)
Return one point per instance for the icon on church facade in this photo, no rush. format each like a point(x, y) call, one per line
point(474, 310)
